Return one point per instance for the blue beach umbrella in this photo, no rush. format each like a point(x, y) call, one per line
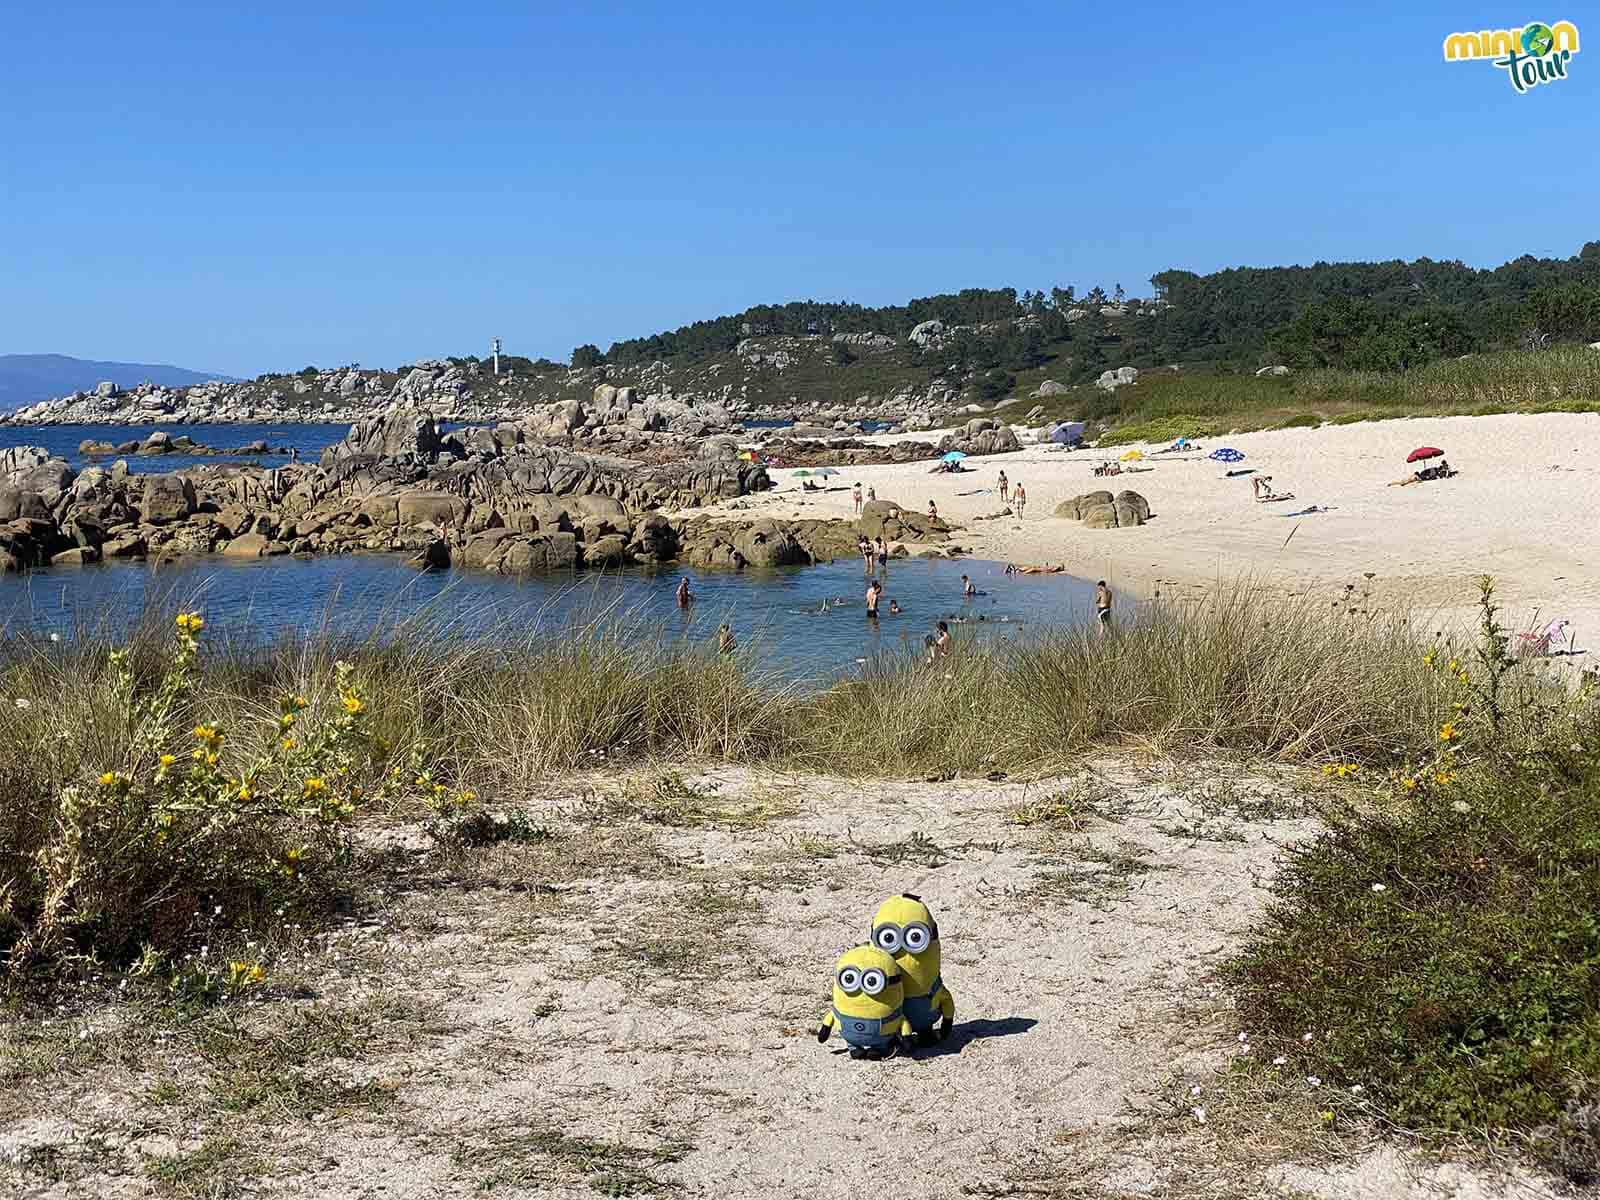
point(825, 472)
point(1226, 454)
point(1067, 432)
point(954, 456)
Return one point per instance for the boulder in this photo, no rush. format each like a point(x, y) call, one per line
point(105, 389)
point(166, 498)
point(608, 551)
point(541, 552)
point(768, 544)
point(927, 333)
point(435, 556)
point(76, 557)
point(430, 508)
point(1120, 377)
point(129, 545)
point(1102, 510)
point(1051, 388)
point(1269, 371)
point(249, 545)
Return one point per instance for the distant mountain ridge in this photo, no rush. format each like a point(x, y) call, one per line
point(29, 378)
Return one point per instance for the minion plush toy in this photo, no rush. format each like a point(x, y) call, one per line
point(903, 927)
point(867, 1003)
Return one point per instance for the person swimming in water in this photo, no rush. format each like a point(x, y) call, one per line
point(894, 608)
point(685, 596)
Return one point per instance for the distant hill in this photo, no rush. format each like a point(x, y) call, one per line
point(28, 378)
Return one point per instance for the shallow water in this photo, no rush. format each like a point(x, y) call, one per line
point(62, 442)
point(777, 615)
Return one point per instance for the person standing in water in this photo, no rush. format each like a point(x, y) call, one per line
point(685, 596)
point(874, 590)
point(941, 639)
point(1102, 605)
point(882, 548)
point(968, 588)
point(1005, 488)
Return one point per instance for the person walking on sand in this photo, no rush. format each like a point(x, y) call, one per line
point(1019, 499)
point(856, 497)
point(874, 590)
point(685, 596)
point(1102, 605)
point(1005, 488)
point(872, 494)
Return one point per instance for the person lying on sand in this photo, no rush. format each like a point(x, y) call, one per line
point(1033, 569)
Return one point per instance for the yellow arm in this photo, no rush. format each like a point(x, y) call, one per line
point(946, 1003)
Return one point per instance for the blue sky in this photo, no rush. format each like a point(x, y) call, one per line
point(250, 188)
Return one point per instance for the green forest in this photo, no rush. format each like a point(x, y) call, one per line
point(1383, 316)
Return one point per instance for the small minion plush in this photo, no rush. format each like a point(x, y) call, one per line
point(867, 1003)
point(903, 927)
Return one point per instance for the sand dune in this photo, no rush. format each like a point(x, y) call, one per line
point(1524, 508)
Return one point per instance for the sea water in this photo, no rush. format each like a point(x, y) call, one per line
point(805, 623)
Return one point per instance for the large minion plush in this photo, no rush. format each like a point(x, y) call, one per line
point(867, 1003)
point(904, 928)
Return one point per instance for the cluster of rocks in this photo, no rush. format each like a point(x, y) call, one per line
point(486, 498)
point(1102, 510)
point(1120, 377)
point(164, 443)
point(979, 436)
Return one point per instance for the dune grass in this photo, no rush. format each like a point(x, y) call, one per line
point(1166, 404)
point(1438, 943)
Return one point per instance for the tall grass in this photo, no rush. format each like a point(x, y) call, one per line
point(1165, 404)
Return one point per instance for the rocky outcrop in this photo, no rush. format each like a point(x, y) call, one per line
point(1120, 377)
point(981, 435)
point(1102, 510)
point(895, 523)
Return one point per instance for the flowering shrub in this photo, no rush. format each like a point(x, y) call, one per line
point(190, 817)
point(1443, 944)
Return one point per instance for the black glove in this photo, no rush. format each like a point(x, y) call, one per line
point(823, 1031)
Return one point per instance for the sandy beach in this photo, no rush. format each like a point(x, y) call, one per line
point(1523, 508)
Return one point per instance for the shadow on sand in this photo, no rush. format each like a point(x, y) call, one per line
point(974, 1031)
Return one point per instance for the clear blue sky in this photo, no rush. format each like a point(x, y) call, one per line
point(251, 187)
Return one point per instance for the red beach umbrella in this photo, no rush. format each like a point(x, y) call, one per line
point(1424, 452)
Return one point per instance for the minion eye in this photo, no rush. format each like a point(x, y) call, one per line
point(917, 938)
point(849, 979)
point(887, 937)
point(872, 981)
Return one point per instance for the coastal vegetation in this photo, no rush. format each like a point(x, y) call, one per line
point(177, 802)
point(1165, 405)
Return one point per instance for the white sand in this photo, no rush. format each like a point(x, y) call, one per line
point(1524, 508)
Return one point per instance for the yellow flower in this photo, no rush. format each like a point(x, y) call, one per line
point(1409, 784)
point(1448, 732)
point(191, 623)
point(244, 791)
point(167, 760)
point(1454, 666)
point(1464, 677)
point(1444, 778)
point(313, 787)
point(109, 779)
point(352, 703)
point(287, 743)
point(243, 974)
point(208, 733)
point(1428, 658)
point(285, 721)
point(300, 702)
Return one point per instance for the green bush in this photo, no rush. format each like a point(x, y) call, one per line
point(1440, 949)
point(1161, 430)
